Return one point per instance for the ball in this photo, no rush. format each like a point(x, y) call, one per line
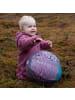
point(43, 66)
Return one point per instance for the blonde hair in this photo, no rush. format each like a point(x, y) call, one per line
point(24, 20)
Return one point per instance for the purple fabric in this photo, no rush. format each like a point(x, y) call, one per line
point(26, 46)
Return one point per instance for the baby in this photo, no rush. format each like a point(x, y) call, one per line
point(28, 42)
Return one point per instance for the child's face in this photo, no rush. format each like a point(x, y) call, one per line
point(30, 28)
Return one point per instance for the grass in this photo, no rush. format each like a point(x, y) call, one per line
point(60, 28)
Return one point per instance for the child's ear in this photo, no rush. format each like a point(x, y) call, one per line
point(22, 29)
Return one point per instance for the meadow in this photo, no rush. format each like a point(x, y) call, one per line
point(59, 28)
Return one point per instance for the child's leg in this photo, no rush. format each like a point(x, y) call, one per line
point(21, 73)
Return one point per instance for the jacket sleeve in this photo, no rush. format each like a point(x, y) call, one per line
point(25, 43)
point(44, 45)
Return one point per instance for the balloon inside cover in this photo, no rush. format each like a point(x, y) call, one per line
point(43, 66)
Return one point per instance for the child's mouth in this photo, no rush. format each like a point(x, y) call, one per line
point(32, 31)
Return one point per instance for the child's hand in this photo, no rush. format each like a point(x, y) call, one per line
point(38, 40)
point(50, 43)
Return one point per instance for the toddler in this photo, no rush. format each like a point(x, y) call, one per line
point(28, 42)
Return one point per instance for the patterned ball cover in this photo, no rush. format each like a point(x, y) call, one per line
point(43, 66)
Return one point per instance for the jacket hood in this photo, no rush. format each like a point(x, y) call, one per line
point(18, 35)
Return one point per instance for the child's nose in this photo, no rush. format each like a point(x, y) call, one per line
point(33, 28)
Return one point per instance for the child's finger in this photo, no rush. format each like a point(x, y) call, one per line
point(50, 43)
point(38, 39)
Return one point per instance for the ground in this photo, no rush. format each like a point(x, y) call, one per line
point(59, 28)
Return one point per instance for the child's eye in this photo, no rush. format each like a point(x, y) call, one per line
point(29, 26)
point(34, 25)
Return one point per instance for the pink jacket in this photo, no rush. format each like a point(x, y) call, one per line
point(26, 46)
